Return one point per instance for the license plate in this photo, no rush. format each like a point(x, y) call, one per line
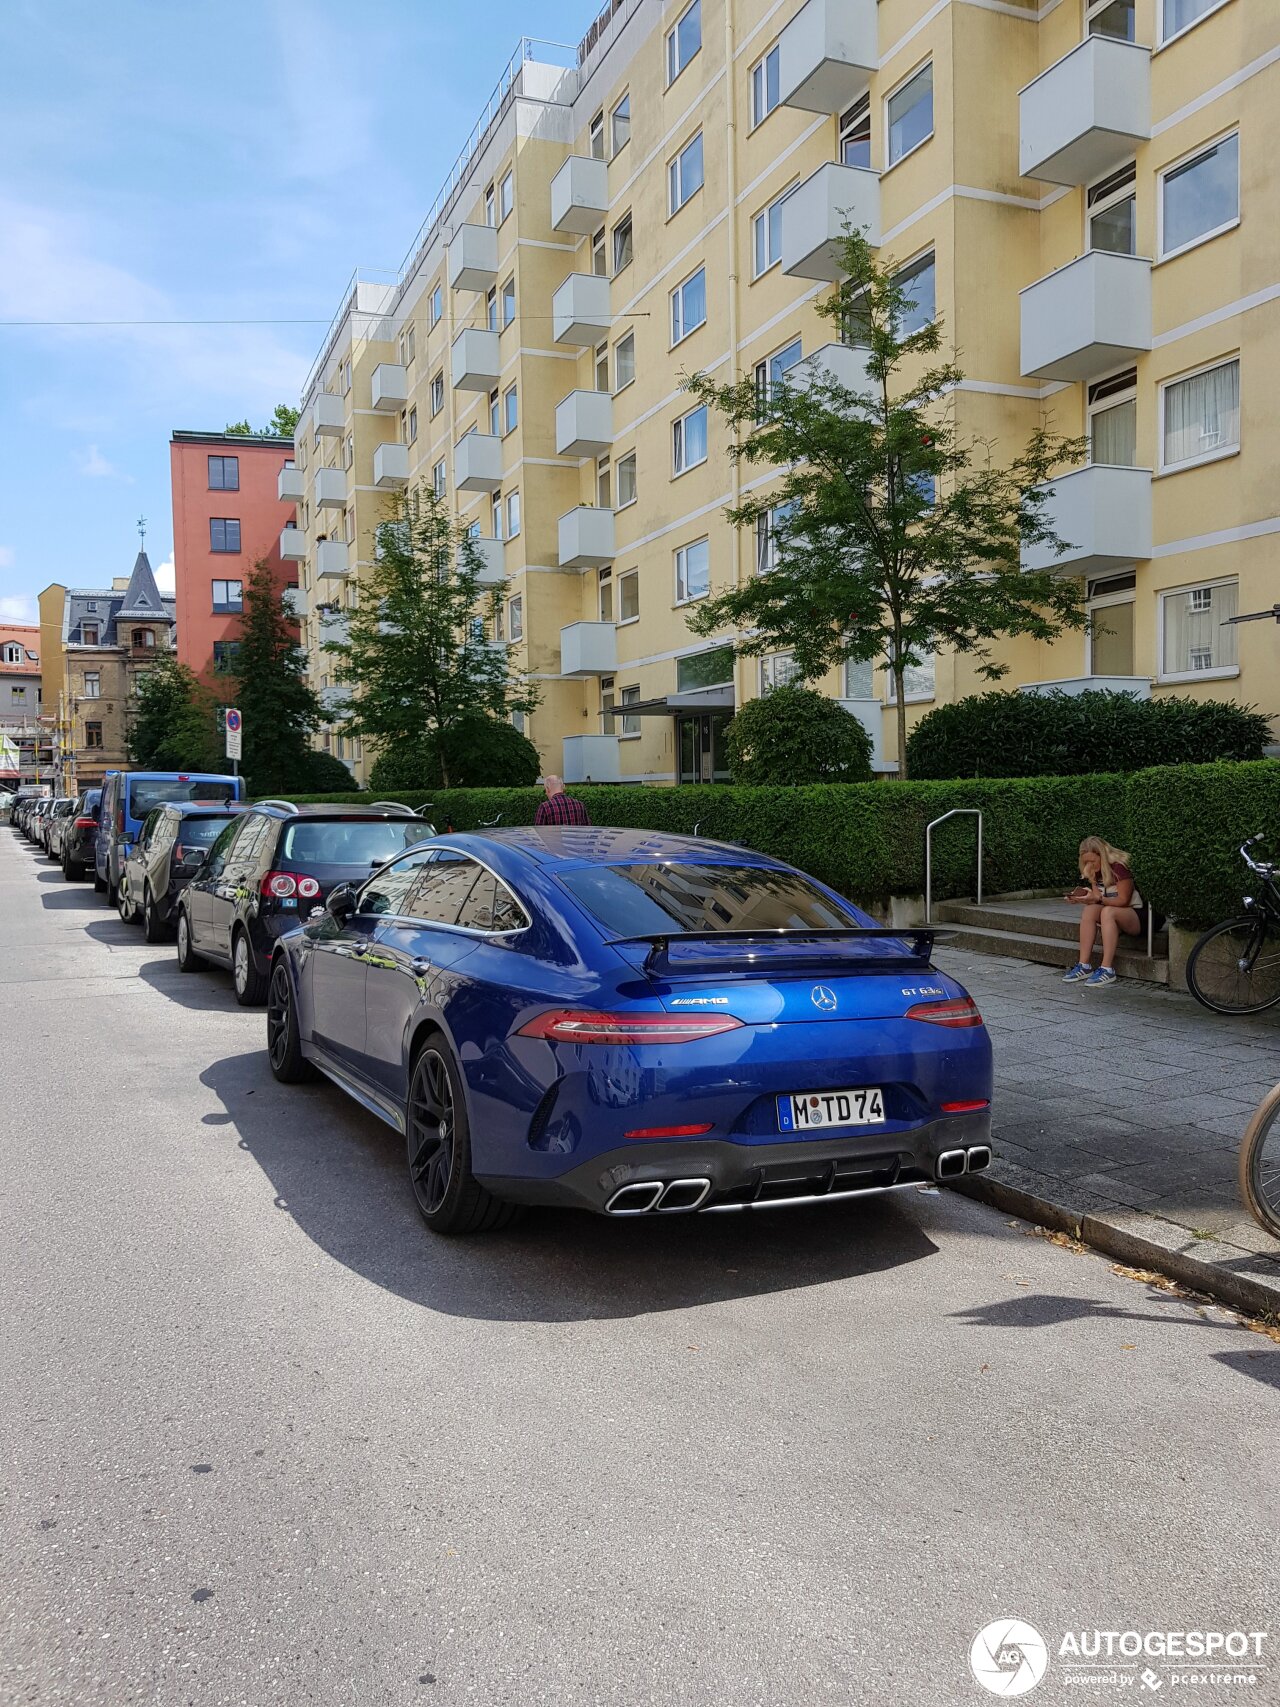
point(810, 1111)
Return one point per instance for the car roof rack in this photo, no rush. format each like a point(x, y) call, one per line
point(394, 806)
point(284, 805)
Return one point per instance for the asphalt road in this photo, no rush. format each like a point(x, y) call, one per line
point(265, 1440)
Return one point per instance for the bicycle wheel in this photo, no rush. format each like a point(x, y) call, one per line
point(1260, 1163)
point(1235, 967)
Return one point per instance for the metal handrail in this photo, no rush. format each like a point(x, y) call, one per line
point(956, 812)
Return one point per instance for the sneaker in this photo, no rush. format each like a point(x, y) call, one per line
point(1101, 978)
point(1078, 973)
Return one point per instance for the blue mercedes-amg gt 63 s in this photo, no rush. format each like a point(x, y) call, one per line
point(632, 1023)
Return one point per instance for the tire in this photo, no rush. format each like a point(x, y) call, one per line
point(284, 1046)
point(69, 872)
point(99, 884)
point(250, 985)
point(125, 907)
point(113, 894)
point(188, 959)
point(1235, 967)
point(438, 1149)
point(154, 928)
point(1260, 1164)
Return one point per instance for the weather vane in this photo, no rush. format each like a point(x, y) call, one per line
point(142, 531)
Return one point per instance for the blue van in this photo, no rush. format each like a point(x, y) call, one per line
point(127, 798)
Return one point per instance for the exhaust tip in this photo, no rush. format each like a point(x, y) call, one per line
point(950, 1164)
point(636, 1199)
point(978, 1158)
point(682, 1195)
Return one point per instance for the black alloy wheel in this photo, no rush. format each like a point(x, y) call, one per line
point(284, 1046)
point(438, 1147)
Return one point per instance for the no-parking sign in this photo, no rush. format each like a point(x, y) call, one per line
point(235, 727)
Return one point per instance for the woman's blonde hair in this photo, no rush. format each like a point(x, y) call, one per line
point(1107, 856)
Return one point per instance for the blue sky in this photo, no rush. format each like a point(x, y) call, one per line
point(181, 160)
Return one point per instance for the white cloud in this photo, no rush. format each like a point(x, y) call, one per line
point(6, 557)
point(96, 466)
point(166, 575)
point(18, 608)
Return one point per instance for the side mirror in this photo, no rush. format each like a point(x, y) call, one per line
point(341, 903)
point(196, 860)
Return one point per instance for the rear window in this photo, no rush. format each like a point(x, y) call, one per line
point(146, 795)
point(350, 841)
point(642, 900)
point(202, 832)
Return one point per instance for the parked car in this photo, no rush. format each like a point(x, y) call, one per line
point(127, 798)
point(58, 816)
point(80, 835)
point(33, 826)
point(166, 856)
point(630, 1022)
point(279, 862)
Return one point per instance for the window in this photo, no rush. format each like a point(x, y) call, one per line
point(623, 246)
point(1179, 15)
point(490, 206)
point(437, 394)
point(764, 85)
point(506, 196)
point(684, 174)
point(602, 367)
point(595, 136)
point(628, 724)
point(689, 440)
point(224, 473)
point(1112, 212)
point(224, 533)
point(142, 638)
point(771, 536)
point(621, 123)
point(599, 254)
point(628, 599)
point(513, 514)
point(859, 678)
point(917, 681)
point(88, 634)
point(689, 306)
point(766, 233)
point(228, 596)
point(345, 376)
point(776, 670)
point(510, 410)
point(910, 114)
point(713, 669)
point(1114, 18)
point(437, 305)
point(1200, 416)
point(491, 906)
point(684, 40)
point(440, 478)
point(348, 450)
point(1113, 420)
point(495, 514)
point(93, 735)
point(624, 362)
point(226, 655)
point(855, 134)
point(693, 574)
point(508, 302)
point(917, 285)
point(604, 591)
point(495, 415)
point(771, 372)
point(603, 484)
point(410, 344)
point(92, 684)
point(1196, 634)
point(1200, 197)
point(412, 425)
point(13, 654)
point(491, 308)
point(515, 617)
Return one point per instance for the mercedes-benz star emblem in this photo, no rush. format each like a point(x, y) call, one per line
point(823, 999)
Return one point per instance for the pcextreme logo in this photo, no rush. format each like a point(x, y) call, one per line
point(1009, 1657)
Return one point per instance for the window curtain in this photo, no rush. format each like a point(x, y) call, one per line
point(1113, 435)
point(1202, 414)
point(1179, 13)
point(1194, 635)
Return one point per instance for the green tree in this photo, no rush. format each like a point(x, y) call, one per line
point(898, 535)
point(174, 722)
point(280, 711)
point(793, 735)
point(479, 752)
point(416, 650)
point(282, 425)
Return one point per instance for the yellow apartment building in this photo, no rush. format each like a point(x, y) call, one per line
point(1077, 188)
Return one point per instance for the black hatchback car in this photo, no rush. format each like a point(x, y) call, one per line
point(168, 853)
point(80, 836)
point(268, 871)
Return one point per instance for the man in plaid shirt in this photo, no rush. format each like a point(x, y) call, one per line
point(559, 807)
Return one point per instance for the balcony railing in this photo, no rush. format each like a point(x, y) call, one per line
point(826, 55)
point(389, 387)
point(291, 484)
point(1085, 115)
point(590, 758)
point(391, 465)
point(493, 561)
point(580, 195)
point(477, 463)
point(474, 360)
point(328, 414)
point(293, 544)
point(1103, 514)
point(1087, 318)
point(332, 559)
point(584, 423)
point(817, 215)
point(473, 257)
point(586, 538)
point(588, 649)
point(580, 310)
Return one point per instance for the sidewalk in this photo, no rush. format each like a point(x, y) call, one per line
point(1118, 1116)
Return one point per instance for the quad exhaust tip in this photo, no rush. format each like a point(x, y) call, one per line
point(668, 1197)
point(952, 1163)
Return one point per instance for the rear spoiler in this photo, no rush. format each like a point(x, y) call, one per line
point(808, 944)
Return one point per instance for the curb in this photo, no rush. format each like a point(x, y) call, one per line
point(1235, 1277)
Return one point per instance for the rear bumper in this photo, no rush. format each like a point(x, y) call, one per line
point(760, 1176)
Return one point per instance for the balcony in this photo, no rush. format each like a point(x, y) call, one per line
point(580, 195)
point(330, 488)
point(1086, 114)
point(294, 601)
point(586, 538)
point(584, 423)
point(477, 463)
point(333, 700)
point(391, 465)
point(493, 560)
point(331, 560)
point(332, 625)
point(826, 55)
point(816, 213)
point(473, 257)
point(1088, 317)
point(844, 364)
point(580, 310)
point(293, 544)
point(291, 484)
point(474, 361)
point(1137, 687)
point(328, 414)
point(588, 649)
point(590, 758)
point(389, 387)
point(1103, 514)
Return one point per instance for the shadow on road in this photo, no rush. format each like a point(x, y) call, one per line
point(201, 991)
point(1261, 1366)
point(69, 898)
point(341, 1175)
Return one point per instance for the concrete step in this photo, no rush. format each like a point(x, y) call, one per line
point(1047, 951)
point(1057, 920)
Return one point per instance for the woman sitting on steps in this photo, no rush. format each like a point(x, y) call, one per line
point(1109, 904)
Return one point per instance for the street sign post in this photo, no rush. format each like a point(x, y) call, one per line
point(235, 731)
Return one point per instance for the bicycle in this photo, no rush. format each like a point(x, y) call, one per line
point(1235, 967)
point(1260, 1165)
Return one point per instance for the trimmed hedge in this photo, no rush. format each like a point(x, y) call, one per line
point(793, 735)
point(1186, 824)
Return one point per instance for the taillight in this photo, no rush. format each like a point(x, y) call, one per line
point(308, 888)
point(85, 823)
point(569, 1025)
point(668, 1131)
point(278, 884)
point(956, 1013)
point(965, 1107)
